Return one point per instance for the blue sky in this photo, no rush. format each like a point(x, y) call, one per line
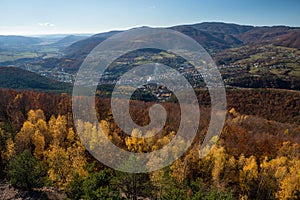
point(25, 17)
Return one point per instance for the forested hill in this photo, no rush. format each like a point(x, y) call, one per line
point(16, 78)
point(215, 37)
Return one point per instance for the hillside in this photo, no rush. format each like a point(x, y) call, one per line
point(67, 41)
point(217, 38)
point(260, 137)
point(209, 40)
point(249, 56)
point(20, 79)
point(11, 41)
point(210, 33)
point(222, 27)
point(85, 46)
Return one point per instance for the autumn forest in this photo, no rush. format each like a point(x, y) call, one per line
point(256, 156)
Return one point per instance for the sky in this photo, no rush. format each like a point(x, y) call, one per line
point(34, 17)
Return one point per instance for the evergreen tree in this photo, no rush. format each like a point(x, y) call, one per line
point(25, 172)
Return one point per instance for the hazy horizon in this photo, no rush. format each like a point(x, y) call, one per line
point(92, 33)
point(33, 17)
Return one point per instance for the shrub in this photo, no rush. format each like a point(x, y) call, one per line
point(25, 172)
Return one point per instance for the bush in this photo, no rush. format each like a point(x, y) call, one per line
point(25, 172)
point(175, 193)
point(97, 186)
point(74, 189)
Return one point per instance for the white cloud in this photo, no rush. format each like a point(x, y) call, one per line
point(152, 7)
point(46, 24)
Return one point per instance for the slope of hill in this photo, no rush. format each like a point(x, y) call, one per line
point(210, 41)
point(290, 39)
point(243, 35)
point(76, 53)
point(10, 41)
point(213, 36)
point(222, 27)
point(265, 35)
point(67, 41)
point(250, 56)
point(17, 78)
point(83, 47)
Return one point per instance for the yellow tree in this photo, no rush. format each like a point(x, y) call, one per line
point(178, 171)
point(76, 152)
point(65, 162)
point(39, 143)
point(24, 137)
point(10, 149)
point(248, 174)
point(230, 172)
point(271, 174)
point(58, 128)
point(42, 127)
point(219, 159)
point(60, 171)
point(135, 143)
point(290, 184)
point(32, 134)
point(34, 116)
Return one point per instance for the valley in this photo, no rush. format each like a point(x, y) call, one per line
point(46, 154)
point(243, 54)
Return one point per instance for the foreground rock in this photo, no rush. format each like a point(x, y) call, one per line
point(8, 192)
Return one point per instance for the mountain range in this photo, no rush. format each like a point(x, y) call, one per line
point(215, 37)
point(259, 54)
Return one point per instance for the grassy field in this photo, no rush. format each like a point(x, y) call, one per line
point(11, 55)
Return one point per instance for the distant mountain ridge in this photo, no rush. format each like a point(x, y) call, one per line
point(68, 40)
point(213, 36)
point(221, 27)
point(236, 35)
point(209, 40)
point(248, 56)
point(86, 45)
point(14, 40)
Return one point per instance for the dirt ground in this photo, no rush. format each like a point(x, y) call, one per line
point(8, 192)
